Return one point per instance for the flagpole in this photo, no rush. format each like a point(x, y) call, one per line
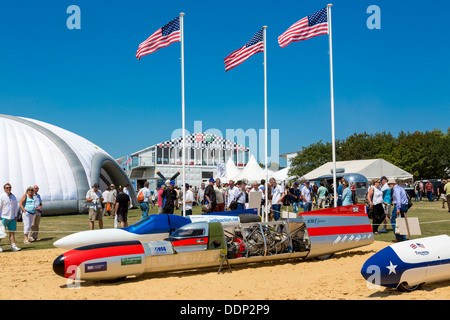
point(265, 218)
point(183, 113)
point(332, 103)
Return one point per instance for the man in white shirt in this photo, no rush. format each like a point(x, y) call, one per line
point(189, 200)
point(277, 193)
point(94, 202)
point(8, 213)
point(306, 196)
point(232, 193)
point(201, 195)
point(105, 196)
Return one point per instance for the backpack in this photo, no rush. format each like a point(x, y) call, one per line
point(140, 197)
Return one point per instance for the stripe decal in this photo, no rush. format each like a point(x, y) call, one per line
point(189, 242)
point(77, 257)
point(328, 231)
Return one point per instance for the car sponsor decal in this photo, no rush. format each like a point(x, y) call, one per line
point(95, 267)
point(130, 260)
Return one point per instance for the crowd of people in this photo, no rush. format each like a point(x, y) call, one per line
point(384, 195)
point(215, 196)
point(385, 198)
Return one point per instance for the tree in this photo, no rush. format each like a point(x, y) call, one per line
point(310, 158)
point(424, 155)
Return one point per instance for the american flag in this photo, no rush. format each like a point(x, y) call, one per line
point(308, 27)
point(163, 37)
point(255, 45)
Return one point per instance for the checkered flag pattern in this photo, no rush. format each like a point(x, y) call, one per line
point(203, 141)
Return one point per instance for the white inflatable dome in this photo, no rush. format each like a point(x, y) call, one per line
point(63, 164)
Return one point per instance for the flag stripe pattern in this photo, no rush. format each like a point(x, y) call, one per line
point(254, 45)
point(308, 27)
point(163, 37)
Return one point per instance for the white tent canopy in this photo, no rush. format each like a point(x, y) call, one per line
point(252, 172)
point(231, 169)
point(63, 164)
point(371, 169)
point(282, 175)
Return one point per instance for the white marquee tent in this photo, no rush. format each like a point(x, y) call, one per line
point(63, 164)
point(371, 169)
point(282, 175)
point(252, 172)
point(231, 169)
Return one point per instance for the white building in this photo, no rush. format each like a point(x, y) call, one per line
point(204, 152)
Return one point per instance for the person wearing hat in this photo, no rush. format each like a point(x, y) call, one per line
point(94, 201)
point(189, 199)
point(400, 201)
point(210, 195)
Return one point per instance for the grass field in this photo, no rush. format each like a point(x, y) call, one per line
point(53, 228)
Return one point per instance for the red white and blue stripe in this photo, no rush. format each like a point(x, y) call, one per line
point(254, 45)
point(308, 27)
point(163, 37)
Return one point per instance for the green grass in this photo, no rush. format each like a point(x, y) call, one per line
point(53, 228)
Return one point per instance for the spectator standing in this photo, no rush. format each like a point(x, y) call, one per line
point(346, 194)
point(210, 195)
point(240, 195)
point(277, 193)
point(126, 190)
point(321, 195)
point(232, 193)
point(295, 196)
point(353, 190)
point(28, 207)
point(161, 199)
point(201, 195)
point(112, 199)
point(387, 202)
point(8, 213)
point(400, 201)
point(220, 201)
point(189, 200)
point(169, 197)
point(416, 192)
point(105, 196)
point(441, 193)
point(447, 193)
point(145, 205)
point(34, 230)
point(420, 190)
point(340, 188)
point(94, 202)
point(375, 199)
point(306, 197)
point(429, 190)
point(285, 198)
point(121, 208)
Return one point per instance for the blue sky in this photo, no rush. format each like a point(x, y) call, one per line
point(89, 81)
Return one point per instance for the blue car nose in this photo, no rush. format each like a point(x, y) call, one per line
point(384, 268)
